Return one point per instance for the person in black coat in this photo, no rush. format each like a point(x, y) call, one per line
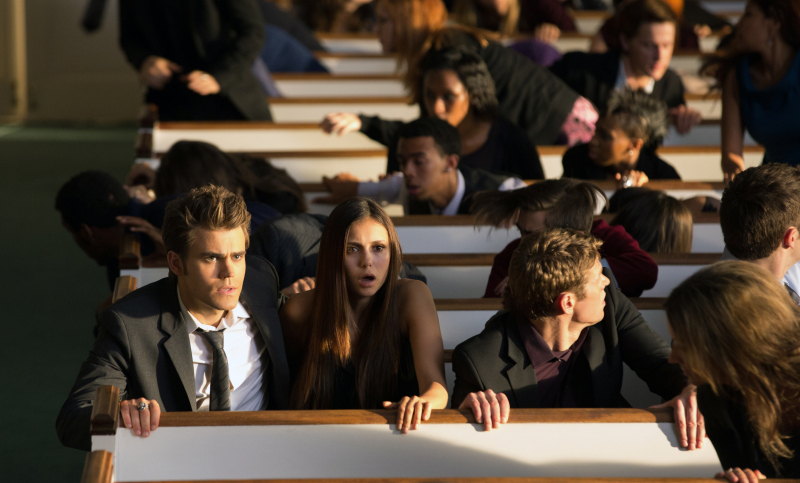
point(563, 339)
point(736, 334)
point(624, 143)
point(648, 37)
point(196, 58)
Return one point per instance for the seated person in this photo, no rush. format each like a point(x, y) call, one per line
point(563, 203)
point(647, 37)
point(659, 222)
point(562, 339)
point(337, 16)
point(192, 164)
point(735, 332)
point(545, 19)
point(279, 14)
point(760, 217)
point(171, 330)
point(457, 88)
point(624, 144)
point(383, 346)
point(432, 181)
point(97, 211)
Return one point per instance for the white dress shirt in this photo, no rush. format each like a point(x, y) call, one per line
point(622, 79)
point(392, 189)
point(243, 345)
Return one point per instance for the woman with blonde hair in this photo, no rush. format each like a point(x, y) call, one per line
point(363, 338)
point(528, 94)
point(736, 334)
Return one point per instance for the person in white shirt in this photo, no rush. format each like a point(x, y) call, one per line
point(760, 216)
point(430, 181)
point(207, 338)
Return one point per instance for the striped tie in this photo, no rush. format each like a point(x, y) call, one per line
point(220, 378)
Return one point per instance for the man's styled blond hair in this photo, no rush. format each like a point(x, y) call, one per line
point(210, 208)
point(546, 264)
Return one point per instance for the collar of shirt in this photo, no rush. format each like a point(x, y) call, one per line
point(790, 280)
point(452, 207)
point(230, 318)
point(538, 351)
point(622, 79)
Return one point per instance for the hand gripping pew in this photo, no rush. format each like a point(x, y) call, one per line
point(334, 445)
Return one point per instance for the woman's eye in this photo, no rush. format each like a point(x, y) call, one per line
point(351, 249)
point(379, 247)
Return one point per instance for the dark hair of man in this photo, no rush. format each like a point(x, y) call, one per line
point(376, 354)
point(209, 208)
point(93, 198)
point(632, 15)
point(757, 208)
point(192, 164)
point(659, 222)
point(472, 72)
point(546, 264)
point(572, 203)
point(444, 135)
point(639, 115)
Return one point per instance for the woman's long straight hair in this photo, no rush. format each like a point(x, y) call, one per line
point(739, 332)
point(376, 354)
point(466, 12)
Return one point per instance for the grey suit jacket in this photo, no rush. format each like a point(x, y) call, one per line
point(143, 349)
point(496, 359)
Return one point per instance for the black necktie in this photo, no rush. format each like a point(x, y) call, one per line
point(220, 378)
point(792, 294)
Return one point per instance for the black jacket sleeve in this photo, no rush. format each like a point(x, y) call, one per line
point(644, 351)
point(133, 43)
point(107, 365)
point(248, 28)
point(467, 378)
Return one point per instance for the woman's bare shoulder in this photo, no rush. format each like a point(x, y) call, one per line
point(408, 290)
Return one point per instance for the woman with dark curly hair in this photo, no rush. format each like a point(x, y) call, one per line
point(624, 143)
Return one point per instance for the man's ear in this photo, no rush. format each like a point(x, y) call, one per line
point(85, 232)
point(451, 162)
point(565, 303)
point(790, 238)
point(637, 144)
point(175, 263)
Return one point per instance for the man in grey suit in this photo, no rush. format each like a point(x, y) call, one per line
point(206, 338)
point(563, 339)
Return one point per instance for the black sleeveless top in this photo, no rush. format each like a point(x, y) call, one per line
point(346, 397)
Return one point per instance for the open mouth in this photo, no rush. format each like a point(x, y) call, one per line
point(367, 280)
point(227, 290)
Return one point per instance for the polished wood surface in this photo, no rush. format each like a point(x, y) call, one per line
point(338, 100)
point(105, 411)
point(122, 287)
point(98, 467)
point(129, 252)
point(365, 153)
point(382, 416)
point(487, 259)
point(641, 303)
point(474, 480)
point(663, 185)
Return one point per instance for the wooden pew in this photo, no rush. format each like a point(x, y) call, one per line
point(306, 143)
point(614, 443)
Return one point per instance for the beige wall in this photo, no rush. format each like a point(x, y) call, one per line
point(73, 75)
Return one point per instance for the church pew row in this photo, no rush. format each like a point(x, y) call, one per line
point(460, 319)
point(314, 109)
point(308, 154)
point(567, 42)
point(347, 444)
point(683, 62)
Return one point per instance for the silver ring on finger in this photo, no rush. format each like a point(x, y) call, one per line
point(142, 406)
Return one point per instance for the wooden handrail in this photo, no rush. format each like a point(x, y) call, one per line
point(130, 252)
point(487, 259)
point(471, 480)
point(98, 467)
point(380, 416)
point(661, 185)
point(105, 411)
point(338, 100)
point(122, 287)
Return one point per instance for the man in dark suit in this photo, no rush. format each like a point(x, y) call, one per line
point(206, 338)
point(196, 57)
point(647, 36)
point(562, 340)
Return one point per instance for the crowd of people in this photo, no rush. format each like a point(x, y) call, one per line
point(322, 312)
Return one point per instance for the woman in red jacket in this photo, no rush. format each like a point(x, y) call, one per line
point(563, 203)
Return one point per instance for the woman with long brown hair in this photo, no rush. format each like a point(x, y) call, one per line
point(759, 74)
point(736, 334)
point(659, 222)
point(363, 337)
point(528, 94)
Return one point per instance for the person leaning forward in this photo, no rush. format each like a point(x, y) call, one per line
point(562, 340)
point(158, 344)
